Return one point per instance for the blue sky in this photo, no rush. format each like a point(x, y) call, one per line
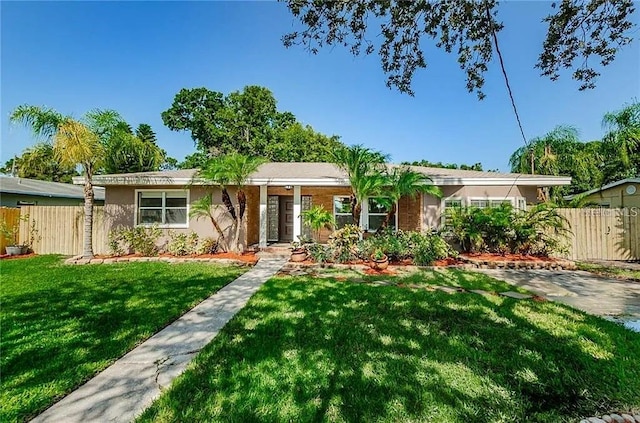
point(135, 56)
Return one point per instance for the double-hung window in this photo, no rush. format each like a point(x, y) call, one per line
point(342, 211)
point(377, 210)
point(164, 208)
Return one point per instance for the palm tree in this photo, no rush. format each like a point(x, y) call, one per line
point(202, 208)
point(232, 169)
point(404, 182)
point(317, 218)
point(75, 143)
point(364, 168)
point(623, 139)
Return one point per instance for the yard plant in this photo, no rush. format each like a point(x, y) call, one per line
point(322, 349)
point(62, 324)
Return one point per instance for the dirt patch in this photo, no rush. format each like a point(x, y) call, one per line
point(385, 272)
point(21, 256)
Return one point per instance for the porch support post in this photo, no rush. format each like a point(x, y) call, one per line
point(263, 217)
point(297, 209)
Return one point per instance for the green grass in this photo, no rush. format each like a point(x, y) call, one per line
point(62, 324)
point(313, 349)
point(610, 271)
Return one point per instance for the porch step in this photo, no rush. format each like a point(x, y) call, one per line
point(269, 254)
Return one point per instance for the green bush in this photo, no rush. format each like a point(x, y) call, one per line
point(539, 230)
point(319, 253)
point(343, 244)
point(208, 245)
point(428, 248)
point(139, 240)
point(182, 244)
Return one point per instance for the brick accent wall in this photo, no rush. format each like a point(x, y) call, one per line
point(410, 213)
point(252, 215)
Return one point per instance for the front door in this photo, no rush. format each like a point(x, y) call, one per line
point(286, 218)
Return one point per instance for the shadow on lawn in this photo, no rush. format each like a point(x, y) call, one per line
point(61, 334)
point(312, 350)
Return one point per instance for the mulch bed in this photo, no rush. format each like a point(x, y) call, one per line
point(248, 257)
point(508, 257)
point(21, 256)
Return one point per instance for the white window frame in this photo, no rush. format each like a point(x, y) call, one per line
point(364, 215)
point(164, 193)
point(443, 206)
point(335, 213)
point(511, 200)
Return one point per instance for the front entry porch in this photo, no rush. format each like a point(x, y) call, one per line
point(280, 215)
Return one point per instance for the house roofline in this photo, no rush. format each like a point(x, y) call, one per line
point(439, 181)
point(602, 188)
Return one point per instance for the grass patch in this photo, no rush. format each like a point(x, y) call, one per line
point(312, 349)
point(610, 271)
point(62, 324)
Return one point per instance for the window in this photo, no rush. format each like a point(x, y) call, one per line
point(448, 205)
point(479, 203)
point(376, 212)
point(497, 203)
point(167, 208)
point(342, 211)
point(522, 204)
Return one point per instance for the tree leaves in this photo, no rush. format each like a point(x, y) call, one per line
point(578, 30)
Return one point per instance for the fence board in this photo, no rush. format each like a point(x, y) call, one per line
point(10, 217)
point(60, 229)
point(605, 234)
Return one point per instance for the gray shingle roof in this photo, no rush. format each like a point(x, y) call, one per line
point(11, 185)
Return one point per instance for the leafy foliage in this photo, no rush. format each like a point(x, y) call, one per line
point(540, 230)
point(343, 244)
point(578, 31)
point(182, 244)
point(427, 163)
point(317, 218)
point(139, 239)
point(423, 249)
point(246, 122)
point(203, 208)
point(39, 162)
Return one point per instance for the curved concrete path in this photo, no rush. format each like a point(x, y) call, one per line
point(127, 387)
point(579, 289)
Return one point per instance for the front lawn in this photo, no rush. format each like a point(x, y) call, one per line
point(62, 324)
point(317, 349)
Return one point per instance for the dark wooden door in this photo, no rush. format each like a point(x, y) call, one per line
point(286, 218)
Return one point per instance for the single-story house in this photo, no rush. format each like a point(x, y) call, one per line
point(278, 192)
point(16, 192)
point(622, 193)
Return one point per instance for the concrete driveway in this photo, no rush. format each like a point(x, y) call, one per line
point(583, 290)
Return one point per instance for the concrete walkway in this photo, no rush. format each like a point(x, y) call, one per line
point(123, 390)
point(579, 289)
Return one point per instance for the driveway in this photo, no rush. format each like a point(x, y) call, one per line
point(583, 290)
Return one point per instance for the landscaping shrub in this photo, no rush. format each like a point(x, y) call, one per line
point(182, 244)
point(208, 245)
point(395, 245)
point(343, 244)
point(139, 240)
point(428, 248)
point(319, 253)
point(539, 230)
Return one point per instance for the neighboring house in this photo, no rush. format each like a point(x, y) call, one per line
point(16, 192)
point(278, 192)
point(623, 193)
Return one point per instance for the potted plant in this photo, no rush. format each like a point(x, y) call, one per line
point(10, 233)
point(299, 249)
point(379, 260)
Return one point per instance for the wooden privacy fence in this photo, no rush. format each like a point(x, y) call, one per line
point(605, 234)
point(60, 229)
point(10, 217)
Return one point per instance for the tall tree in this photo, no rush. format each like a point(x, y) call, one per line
point(578, 30)
point(365, 170)
point(427, 163)
point(39, 162)
point(404, 182)
point(232, 169)
point(245, 122)
point(622, 141)
point(146, 134)
point(74, 143)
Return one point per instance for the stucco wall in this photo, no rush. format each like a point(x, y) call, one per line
point(11, 200)
point(120, 210)
point(617, 196)
point(432, 211)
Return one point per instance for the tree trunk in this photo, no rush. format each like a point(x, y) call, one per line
point(87, 252)
point(241, 198)
point(385, 223)
point(226, 199)
point(236, 238)
point(221, 237)
point(356, 208)
point(242, 202)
